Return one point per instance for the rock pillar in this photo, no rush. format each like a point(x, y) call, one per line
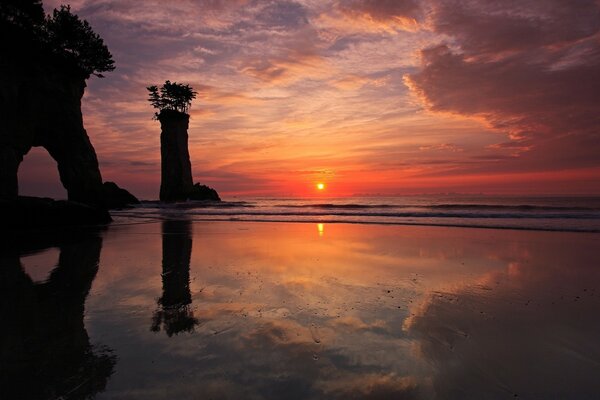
point(176, 169)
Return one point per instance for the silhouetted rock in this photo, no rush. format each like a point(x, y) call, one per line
point(42, 80)
point(174, 314)
point(47, 114)
point(46, 351)
point(33, 212)
point(176, 169)
point(203, 192)
point(173, 100)
point(116, 197)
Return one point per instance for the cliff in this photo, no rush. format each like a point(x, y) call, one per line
point(42, 107)
point(46, 60)
point(43, 69)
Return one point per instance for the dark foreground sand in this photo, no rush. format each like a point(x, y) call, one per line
point(302, 311)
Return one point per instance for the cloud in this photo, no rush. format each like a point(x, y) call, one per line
point(382, 10)
point(381, 15)
point(531, 70)
point(347, 17)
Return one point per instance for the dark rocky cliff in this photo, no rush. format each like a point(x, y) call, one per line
point(176, 169)
point(43, 69)
point(42, 107)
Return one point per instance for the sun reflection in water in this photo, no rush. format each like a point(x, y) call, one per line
point(321, 229)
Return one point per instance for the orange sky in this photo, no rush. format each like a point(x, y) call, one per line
point(370, 97)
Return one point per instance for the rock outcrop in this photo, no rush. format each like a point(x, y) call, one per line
point(117, 197)
point(43, 108)
point(176, 169)
point(34, 212)
point(203, 192)
point(45, 63)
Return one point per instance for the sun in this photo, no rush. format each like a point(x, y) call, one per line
point(320, 186)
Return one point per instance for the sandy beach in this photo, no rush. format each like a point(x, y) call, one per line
point(299, 199)
point(181, 309)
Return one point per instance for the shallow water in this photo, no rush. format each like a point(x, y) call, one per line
point(574, 214)
point(182, 309)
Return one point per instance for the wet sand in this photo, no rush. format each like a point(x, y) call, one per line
point(176, 309)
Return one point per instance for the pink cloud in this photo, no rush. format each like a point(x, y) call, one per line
point(382, 10)
point(531, 70)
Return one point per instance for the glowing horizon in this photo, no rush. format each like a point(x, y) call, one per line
point(366, 97)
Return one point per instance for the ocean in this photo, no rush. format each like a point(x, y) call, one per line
point(578, 214)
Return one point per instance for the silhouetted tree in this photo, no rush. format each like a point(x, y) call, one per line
point(59, 40)
point(171, 97)
point(22, 12)
point(21, 31)
point(74, 41)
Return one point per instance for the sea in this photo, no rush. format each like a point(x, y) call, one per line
point(578, 214)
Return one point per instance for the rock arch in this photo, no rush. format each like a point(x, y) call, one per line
point(41, 108)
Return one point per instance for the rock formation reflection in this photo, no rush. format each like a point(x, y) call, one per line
point(45, 349)
point(174, 313)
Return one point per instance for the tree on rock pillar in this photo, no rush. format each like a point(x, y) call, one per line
point(173, 101)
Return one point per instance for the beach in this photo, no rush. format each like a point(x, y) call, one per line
point(303, 200)
point(177, 308)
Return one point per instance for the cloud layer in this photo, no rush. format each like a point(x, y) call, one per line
point(389, 97)
point(530, 69)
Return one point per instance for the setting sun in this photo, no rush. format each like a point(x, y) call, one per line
point(320, 186)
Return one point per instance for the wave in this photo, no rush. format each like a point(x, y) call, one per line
point(416, 214)
point(524, 213)
point(523, 207)
point(340, 206)
point(474, 223)
point(582, 229)
point(197, 204)
point(457, 206)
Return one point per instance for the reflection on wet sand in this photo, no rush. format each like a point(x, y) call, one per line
point(46, 350)
point(174, 313)
point(528, 330)
point(362, 312)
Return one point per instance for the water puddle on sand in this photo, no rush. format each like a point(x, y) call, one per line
point(175, 309)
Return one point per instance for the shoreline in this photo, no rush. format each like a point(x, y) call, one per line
point(117, 217)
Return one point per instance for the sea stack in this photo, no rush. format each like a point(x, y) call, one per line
point(176, 168)
point(173, 101)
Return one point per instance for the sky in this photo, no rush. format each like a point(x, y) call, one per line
point(370, 97)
